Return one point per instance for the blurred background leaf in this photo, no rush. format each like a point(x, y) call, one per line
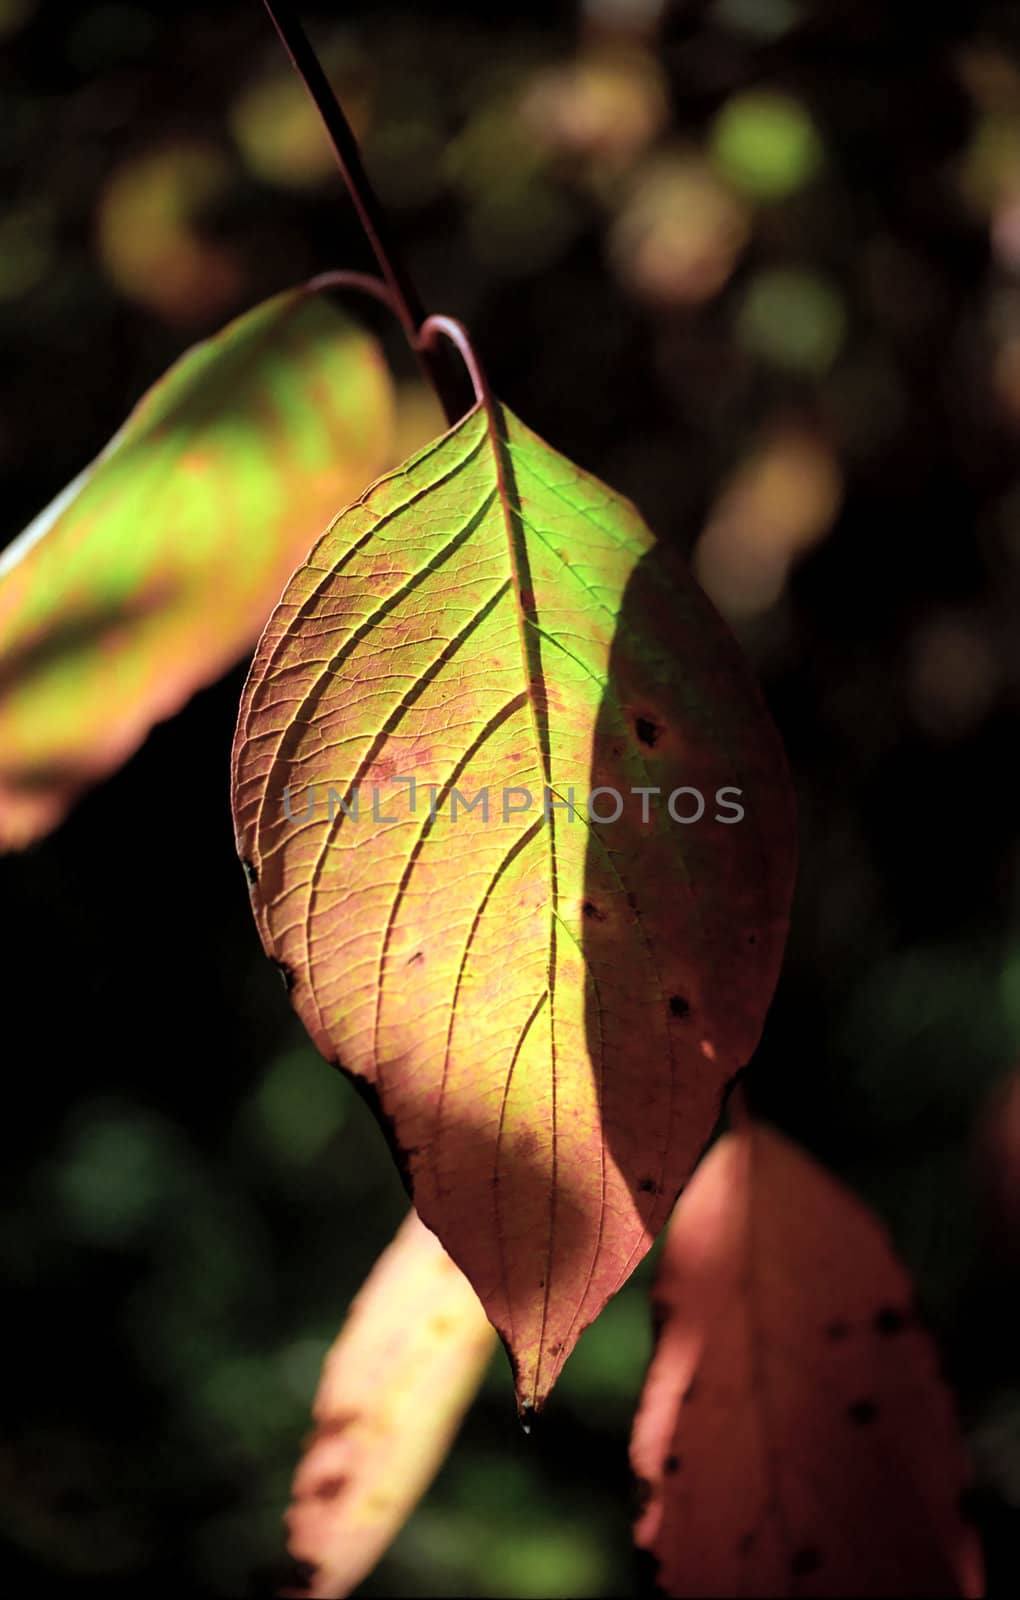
point(158, 566)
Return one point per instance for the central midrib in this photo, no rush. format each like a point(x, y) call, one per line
point(531, 664)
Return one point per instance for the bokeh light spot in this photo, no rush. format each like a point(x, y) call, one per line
point(766, 145)
point(792, 319)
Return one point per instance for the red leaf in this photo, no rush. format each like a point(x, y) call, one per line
point(794, 1432)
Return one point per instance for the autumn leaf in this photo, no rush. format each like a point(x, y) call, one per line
point(393, 1390)
point(157, 567)
point(794, 1435)
point(545, 1006)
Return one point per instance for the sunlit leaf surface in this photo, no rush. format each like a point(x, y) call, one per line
point(794, 1435)
point(394, 1388)
point(545, 1005)
point(155, 570)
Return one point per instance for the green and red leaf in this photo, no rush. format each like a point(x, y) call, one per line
point(156, 569)
point(545, 1007)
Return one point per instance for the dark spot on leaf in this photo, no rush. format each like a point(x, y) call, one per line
point(747, 1543)
point(648, 731)
point(412, 961)
point(590, 909)
point(285, 973)
point(835, 1331)
point(328, 1488)
point(805, 1560)
point(555, 1349)
point(331, 1427)
point(251, 872)
point(889, 1321)
point(678, 1006)
point(672, 1464)
point(648, 1186)
point(862, 1412)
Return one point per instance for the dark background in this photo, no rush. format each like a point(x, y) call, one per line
point(757, 263)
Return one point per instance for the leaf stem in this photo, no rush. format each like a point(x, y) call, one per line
point(404, 296)
point(458, 335)
point(362, 282)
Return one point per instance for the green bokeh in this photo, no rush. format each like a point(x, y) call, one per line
point(766, 145)
point(793, 319)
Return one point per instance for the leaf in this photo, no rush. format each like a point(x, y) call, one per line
point(393, 1390)
point(545, 1010)
point(794, 1433)
point(157, 567)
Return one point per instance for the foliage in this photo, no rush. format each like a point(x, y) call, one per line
point(846, 389)
point(154, 570)
point(789, 1330)
point(393, 1390)
point(462, 692)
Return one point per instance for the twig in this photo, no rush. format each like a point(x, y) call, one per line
point(405, 299)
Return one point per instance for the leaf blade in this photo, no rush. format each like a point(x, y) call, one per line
point(462, 625)
point(794, 1434)
point(157, 566)
point(394, 1388)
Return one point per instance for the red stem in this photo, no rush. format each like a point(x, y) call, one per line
point(458, 335)
point(362, 282)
